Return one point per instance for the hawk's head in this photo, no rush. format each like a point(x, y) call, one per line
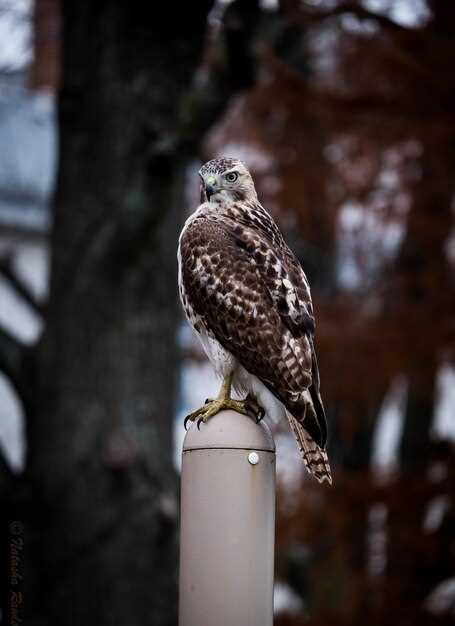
point(226, 179)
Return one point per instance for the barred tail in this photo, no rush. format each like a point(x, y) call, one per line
point(314, 457)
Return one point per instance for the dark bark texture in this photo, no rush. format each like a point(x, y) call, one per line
point(99, 430)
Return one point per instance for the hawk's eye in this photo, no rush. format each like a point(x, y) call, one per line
point(231, 177)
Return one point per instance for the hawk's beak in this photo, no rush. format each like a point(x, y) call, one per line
point(210, 190)
point(211, 186)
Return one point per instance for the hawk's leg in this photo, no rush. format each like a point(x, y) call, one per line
point(223, 401)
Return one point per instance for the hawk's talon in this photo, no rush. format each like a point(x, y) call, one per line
point(255, 410)
point(189, 418)
point(260, 415)
point(249, 407)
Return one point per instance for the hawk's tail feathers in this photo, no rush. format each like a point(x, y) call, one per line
point(315, 458)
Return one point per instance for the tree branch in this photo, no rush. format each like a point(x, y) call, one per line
point(411, 39)
point(20, 286)
point(361, 12)
point(230, 68)
point(407, 43)
point(12, 354)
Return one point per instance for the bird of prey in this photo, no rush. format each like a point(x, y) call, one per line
point(247, 297)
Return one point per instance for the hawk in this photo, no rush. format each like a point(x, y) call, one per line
point(247, 297)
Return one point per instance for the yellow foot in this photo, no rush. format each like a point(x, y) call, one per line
point(211, 407)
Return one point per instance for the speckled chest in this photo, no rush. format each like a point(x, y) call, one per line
point(198, 253)
point(215, 232)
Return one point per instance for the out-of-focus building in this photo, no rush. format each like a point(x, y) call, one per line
point(28, 81)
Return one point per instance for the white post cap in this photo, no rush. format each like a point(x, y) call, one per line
point(229, 430)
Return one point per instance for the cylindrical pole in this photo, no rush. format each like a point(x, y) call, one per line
point(227, 531)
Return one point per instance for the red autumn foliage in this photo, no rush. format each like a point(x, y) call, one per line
point(358, 129)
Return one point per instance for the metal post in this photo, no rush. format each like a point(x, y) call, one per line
point(227, 532)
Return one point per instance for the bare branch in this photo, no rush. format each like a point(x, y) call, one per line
point(12, 356)
point(229, 69)
point(20, 286)
point(359, 11)
point(410, 40)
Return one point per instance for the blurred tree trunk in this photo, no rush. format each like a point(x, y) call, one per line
point(424, 290)
point(100, 423)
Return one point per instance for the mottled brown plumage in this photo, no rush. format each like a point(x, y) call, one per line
point(247, 297)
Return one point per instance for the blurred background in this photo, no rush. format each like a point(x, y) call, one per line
point(344, 111)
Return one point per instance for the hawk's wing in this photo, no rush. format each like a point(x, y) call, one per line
point(283, 276)
point(255, 300)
